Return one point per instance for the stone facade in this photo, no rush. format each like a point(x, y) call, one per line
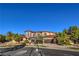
point(30, 34)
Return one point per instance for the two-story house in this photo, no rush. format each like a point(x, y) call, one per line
point(47, 36)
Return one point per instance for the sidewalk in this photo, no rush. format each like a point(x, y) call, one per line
point(59, 47)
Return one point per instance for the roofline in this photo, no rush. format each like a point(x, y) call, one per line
point(39, 31)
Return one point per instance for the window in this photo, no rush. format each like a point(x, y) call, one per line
point(45, 34)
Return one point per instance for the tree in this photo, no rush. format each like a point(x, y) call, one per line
point(60, 38)
point(10, 36)
point(74, 32)
point(72, 29)
point(63, 38)
point(17, 37)
point(39, 39)
point(2, 38)
point(65, 31)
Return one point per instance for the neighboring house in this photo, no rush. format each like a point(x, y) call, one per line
point(47, 36)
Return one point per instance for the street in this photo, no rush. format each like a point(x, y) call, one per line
point(30, 51)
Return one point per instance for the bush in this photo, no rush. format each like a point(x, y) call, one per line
point(25, 42)
point(39, 41)
point(66, 42)
point(2, 38)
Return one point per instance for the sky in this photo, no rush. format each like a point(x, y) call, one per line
point(37, 17)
